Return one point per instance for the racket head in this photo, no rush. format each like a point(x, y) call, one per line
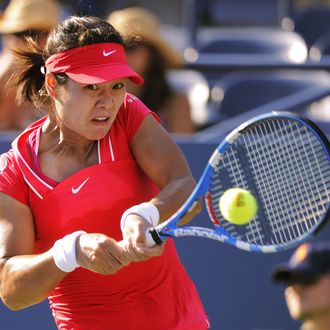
point(283, 159)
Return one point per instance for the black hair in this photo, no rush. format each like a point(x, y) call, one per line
point(73, 32)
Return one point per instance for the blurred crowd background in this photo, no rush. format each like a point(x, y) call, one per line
point(208, 66)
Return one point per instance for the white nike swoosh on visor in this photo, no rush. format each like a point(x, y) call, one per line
point(108, 53)
point(76, 190)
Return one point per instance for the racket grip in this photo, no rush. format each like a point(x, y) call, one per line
point(150, 242)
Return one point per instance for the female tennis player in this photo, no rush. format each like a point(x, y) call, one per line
point(97, 169)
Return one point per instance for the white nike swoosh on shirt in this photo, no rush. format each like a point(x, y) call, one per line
point(108, 53)
point(76, 190)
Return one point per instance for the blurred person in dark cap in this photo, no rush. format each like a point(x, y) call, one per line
point(21, 19)
point(152, 56)
point(307, 280)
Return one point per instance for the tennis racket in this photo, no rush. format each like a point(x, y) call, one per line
point(283, 159)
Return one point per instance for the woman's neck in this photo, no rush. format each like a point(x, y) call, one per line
point(60, 157)
point(64, 143)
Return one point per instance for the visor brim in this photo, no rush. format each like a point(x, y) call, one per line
point(102, 74)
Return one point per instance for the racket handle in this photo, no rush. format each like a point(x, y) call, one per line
point(150, 242)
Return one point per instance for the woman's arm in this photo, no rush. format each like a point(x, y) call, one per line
point(161, 159)
point(27, 279)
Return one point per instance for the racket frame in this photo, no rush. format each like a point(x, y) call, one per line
point(169, 227)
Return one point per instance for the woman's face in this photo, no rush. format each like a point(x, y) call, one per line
point(87, 111)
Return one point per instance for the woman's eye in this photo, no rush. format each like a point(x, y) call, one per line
point(118, 86)
point(93, 87)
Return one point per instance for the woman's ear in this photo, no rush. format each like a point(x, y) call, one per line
point(51, 84)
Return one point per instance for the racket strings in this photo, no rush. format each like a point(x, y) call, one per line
point(253, 230)
point(296, 193)
point(256, 152)
point(295, 177)
point(238, 178)
point(285, 166)
point(288, 178)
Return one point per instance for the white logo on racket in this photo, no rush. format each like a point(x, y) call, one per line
point(106, 54)
point(76, 190)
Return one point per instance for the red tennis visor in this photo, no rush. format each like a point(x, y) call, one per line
point(93, 64)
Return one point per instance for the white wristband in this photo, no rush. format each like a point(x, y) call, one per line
point(147, 211)
point(64, 252)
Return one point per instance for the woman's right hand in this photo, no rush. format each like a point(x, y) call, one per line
point(101, 254)
point(134, 242)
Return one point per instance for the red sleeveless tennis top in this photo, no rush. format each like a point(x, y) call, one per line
point(155, 294)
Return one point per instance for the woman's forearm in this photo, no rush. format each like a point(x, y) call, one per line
point(27, 280)
point(170, 199)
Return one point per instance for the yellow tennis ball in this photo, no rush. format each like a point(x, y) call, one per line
point(238, 206)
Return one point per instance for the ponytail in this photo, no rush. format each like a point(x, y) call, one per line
point(28, 78)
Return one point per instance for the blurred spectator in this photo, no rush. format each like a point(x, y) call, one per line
point(307, 280)
point(21, 18)
point(152, 57)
